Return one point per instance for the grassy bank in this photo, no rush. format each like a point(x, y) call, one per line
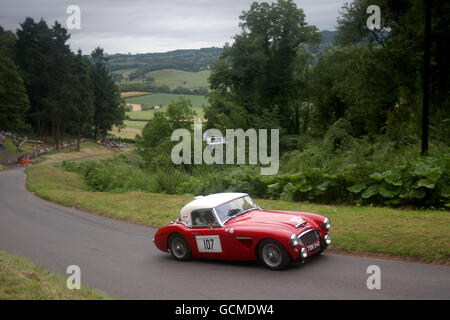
point(88, 150)
point(420, 235)
point(21, 279)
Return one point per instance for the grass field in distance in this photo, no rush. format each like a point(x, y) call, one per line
point(177, 78)
point(163, 99)
point(170, 77)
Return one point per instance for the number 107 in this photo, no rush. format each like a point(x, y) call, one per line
point(208, 244)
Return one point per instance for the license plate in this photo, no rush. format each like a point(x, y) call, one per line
point(314, 246)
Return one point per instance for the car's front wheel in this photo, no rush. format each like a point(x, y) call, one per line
point(179, 247)
point(273, 255)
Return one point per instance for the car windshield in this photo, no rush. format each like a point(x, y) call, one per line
point(234, 208)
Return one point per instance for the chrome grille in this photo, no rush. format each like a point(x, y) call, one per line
point(309, 237)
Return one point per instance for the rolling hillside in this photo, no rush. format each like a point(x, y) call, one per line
point(179, 68)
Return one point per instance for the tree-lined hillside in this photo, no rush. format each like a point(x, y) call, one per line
point(185, 60)
point(349, 114)
point(134, 66)
point(49, 91)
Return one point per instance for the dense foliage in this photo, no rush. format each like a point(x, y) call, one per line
point(360, 173)
point(349, 115)
point(14, 99)
point(48, 90)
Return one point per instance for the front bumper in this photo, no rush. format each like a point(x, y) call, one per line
point(319, 246)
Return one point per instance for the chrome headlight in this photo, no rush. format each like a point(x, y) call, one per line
point(295, 241)
point(327, 239)
point(304, 252)
point(327, 223)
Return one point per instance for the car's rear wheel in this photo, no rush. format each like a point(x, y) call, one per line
point(273, 255)
point(179, 248)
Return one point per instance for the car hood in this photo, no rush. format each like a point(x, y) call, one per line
point(281, 219)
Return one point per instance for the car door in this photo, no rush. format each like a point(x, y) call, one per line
point(205, 238)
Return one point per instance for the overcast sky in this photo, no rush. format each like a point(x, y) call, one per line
point(141, 26)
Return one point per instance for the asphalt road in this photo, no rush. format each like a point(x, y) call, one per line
point(120, 259)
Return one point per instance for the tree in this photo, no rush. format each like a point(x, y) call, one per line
point(155, 146)
point(180, 114)
point(81, 103)
point(401, 44)
point(256, 74)
point(33, 48)
point(14, 99)
point(109, 106)
point(45, 59)
point(331, 70)
point(59, 85)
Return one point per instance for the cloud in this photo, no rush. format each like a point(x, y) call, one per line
point(140, 26)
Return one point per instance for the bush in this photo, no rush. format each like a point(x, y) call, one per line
point(120, 174)
point(359, 172)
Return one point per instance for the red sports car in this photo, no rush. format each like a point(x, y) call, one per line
point(230, 226)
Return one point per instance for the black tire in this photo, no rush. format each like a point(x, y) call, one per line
point(273, 255)
point(179, 248)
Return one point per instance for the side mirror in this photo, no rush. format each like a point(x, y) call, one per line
point(213, 225)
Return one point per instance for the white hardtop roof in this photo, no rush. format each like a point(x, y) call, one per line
point(207, 202)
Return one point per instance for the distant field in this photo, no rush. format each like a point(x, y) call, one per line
point(134, 106)
point(170, 77)
point(124, 72)
point(163, 99)
point(133, 94)
point(135, 124)
point(131, 130)
point(148, 114)
point(177, 78)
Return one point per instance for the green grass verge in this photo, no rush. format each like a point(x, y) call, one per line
point(20, 279)
point(421, 235)
point(124, 72)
